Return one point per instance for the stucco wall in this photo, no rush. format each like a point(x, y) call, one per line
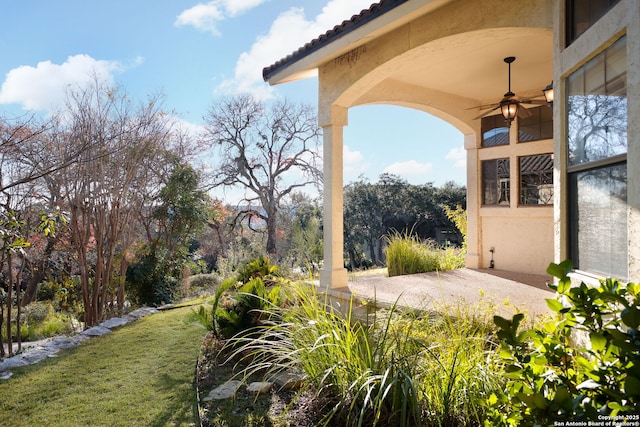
point(522, 244)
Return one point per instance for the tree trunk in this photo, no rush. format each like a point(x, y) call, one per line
point(9, 303)
point(372, 252)
point(2, 352)
point(38, 275)
point(124, 264)
point(272, 249)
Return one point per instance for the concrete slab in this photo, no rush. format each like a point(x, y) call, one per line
point(509, 292)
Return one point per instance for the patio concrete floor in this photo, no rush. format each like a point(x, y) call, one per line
point(508, 292)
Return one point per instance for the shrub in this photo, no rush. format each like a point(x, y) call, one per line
point(65, 294)
point(152, 278)
point(240, 302)
point(459, 217)
point(552, 376)
point(39, 321)
point(204, 281)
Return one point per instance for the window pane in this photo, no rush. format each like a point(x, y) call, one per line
point(496, 185)
point(539, 125)
point(536, 180)
point(581, 14)
point(494, 131)
point(597, 107)
point(598, 221)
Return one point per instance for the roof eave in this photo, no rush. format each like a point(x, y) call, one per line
point(304, 63)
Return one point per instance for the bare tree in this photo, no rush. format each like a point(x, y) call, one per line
point(98, 189)
point(268, 152)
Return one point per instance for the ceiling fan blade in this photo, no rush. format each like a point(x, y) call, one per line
point(534, 101)
point(523, 112)
point(486, 113)
point(484, 107)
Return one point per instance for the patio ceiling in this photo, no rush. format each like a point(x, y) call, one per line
point(472, 65)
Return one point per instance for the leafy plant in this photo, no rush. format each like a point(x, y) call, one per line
point(152, 277)
point(260, 267)
point(240, 301)
point(584, 364)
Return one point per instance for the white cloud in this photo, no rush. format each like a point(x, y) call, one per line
point(44, 86)
point(206, 16)
point(409, 168)
point(287, 33)
point(353, 164)
point(458, 156)
point(237, 7)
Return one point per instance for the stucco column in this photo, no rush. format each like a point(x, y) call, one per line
point(633, 135)
point(474, 238)
point(333, 274)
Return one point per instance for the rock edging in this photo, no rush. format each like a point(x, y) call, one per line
point(51, 347)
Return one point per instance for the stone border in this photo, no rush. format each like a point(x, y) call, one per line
point(50, 347)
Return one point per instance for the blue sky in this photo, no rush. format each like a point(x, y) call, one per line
point(196, 52)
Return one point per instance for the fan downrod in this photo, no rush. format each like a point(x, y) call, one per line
point(509, 60)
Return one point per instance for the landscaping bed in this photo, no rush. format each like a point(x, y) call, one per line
point(277, 407)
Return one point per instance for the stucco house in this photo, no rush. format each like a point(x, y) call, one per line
point(544, 183)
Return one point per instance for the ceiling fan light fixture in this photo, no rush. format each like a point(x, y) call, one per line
point(548, 94)
point(509, 110)
point(508, 105)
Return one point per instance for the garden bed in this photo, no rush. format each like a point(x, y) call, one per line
point(278, 407)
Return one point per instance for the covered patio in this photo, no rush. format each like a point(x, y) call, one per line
point(445, 58)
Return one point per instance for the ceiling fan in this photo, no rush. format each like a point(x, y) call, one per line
point(510, 104)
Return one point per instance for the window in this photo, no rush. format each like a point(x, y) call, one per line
point(536, 179)
point(581, 14)
point(598, 220)
point(496, 184)
point(494, 131)
point(539, 125)
point(597, 107)
point(597, 163)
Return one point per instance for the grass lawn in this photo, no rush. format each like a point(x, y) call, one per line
point(139, 375)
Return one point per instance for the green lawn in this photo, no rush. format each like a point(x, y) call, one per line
point(140, 375)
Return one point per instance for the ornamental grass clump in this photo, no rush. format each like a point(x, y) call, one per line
point(408, 254)
point(386, 367)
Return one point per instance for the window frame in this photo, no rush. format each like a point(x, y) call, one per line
point(541, 124)
point(501, 185)
point(610, 162)
point(572, 8)
point(494, 127)
point(521, 202)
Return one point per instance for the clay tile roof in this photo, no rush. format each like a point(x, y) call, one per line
point(347, 26)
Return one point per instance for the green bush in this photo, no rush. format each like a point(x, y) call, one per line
point(152, 278)
point(459, 217)
point(65, 294)
point(39, 320)
point(204, 281)
point(240, 302)
point(407, 254)
point(584, 365)
point(36, 312)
